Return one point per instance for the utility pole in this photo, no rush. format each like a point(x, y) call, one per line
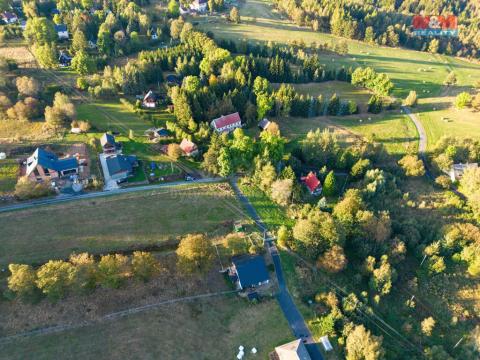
point(423, 260)
point(458, 342)
point(218, 254)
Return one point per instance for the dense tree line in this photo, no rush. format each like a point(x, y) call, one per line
point(388, 22)
point(82, 273)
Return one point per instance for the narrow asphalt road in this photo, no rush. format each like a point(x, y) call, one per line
point(290, 310)
point(422, 140)
point(66, 198)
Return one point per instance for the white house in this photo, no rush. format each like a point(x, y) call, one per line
point(62, 31)
point(457, 170)
point(199, 6)
point(227, 123)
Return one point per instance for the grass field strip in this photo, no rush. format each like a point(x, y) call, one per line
point(113, 316)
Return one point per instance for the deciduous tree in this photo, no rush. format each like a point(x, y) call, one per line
point(362, 345)
point(85, 272)
point(54, 278)
point(22, 280)
point(144, 265)
point(195, 253)
point(113, 270)
point(333, 260)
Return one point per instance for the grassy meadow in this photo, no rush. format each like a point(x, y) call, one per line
point(393, 129)
point(202, 329)
point(112, 116)
point(8, 176)
point(111, 223)
point(344, 90)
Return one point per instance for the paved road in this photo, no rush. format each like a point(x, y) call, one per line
point(65, 198)
point(422, 143)
point(290, 310)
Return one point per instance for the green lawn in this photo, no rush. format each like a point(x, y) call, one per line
point(344, 90)
point(112, 115)
point(393, 129)
point(446, 120)
point(112, 223)
point(8, 176)
point(139, 175)
point(202, 329)
point(270, 212)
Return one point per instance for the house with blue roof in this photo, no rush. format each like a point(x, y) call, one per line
point(44, 165)
point(249, 271)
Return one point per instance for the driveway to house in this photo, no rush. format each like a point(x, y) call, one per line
point(290, 310)
point(72, 197)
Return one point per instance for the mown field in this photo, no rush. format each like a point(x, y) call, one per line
point(440, 118)
point(203, 329)
point(344, 90)
point(393, 129)
point(112, 116)
point(111, 223)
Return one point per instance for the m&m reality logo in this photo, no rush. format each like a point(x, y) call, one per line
point(435, 25)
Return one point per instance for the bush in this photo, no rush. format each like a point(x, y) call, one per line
point(22, 280)
point(411, 99)
point(375, 105)
point(412, 165)
point(112, 270)
point(463, 100)
point(28, 189)
point(444, 182)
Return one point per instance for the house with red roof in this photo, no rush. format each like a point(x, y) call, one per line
point(227, 123)
point(312, 183)
point(188, 147)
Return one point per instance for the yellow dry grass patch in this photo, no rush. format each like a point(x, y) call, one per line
point(20, 54)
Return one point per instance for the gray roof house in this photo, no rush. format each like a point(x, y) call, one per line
point(249, 271)
point(264, 124)
point(120, 166)
point(294, 350)
point(45, 165)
